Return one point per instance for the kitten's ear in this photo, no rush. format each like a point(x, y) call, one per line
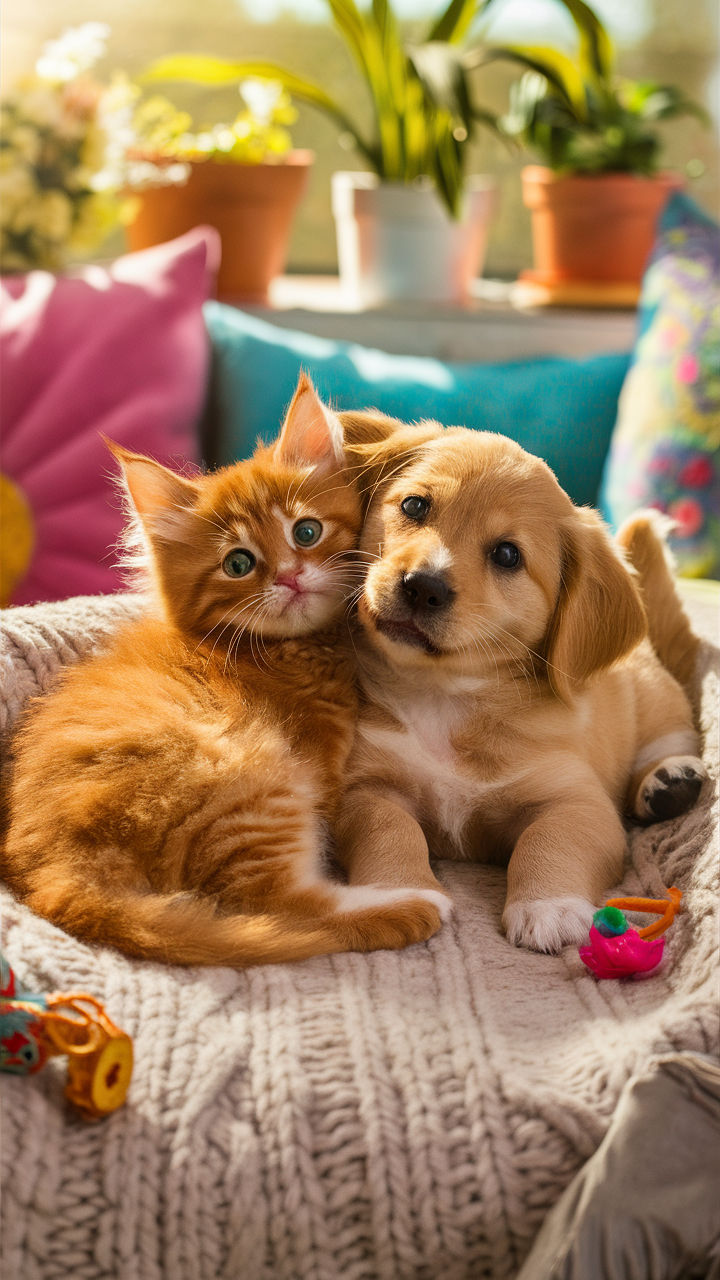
point(311, 435)
point(158, 495)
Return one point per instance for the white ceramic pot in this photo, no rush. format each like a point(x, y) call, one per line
point(398, 243)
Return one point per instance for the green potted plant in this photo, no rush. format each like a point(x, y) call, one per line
point(415, 225)
point(241, 177)
point(595, 200)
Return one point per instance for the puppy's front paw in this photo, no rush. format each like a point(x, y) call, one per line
point(670, 789)
point(548, 924)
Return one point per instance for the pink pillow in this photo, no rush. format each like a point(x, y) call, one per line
point(122, 351)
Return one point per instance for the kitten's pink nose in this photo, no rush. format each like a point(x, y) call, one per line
point(289, 579)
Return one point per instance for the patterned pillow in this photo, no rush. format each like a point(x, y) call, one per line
point(665, 450)
point(123, 352)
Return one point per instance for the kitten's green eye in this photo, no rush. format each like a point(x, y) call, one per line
point(238, 563)
point(306, 532)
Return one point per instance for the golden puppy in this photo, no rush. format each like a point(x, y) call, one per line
point(513, 707)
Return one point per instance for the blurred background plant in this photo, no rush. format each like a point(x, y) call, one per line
point(258, 133)
point(576, 115)
point(666, 41)
point(419, 87)
point(64, 155)
point(50, 156)
point(73, 150)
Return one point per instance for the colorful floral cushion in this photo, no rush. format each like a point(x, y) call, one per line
point(665, 450)
point(122, 352)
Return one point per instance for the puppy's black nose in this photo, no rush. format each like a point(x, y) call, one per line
point(426, 591)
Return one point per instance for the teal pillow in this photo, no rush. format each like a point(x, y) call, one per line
point(562, 410)
point(665, 450)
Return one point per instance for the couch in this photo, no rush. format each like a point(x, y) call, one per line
point(394, 1116)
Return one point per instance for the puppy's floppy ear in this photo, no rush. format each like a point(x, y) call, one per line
point(377, 448)
point(599, 615)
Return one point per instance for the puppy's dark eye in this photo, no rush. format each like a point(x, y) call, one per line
point(414, 507)
point(506, 556)
point(238, 563)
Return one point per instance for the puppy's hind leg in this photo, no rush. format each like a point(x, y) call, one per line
point(667, 772)
point(666, 785)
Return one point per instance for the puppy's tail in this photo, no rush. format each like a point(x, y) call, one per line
point(643, 538)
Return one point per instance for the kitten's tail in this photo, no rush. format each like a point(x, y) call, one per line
point(643, 537)
point(186, 930)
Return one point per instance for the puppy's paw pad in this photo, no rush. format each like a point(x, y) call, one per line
point(548, 924)
point(671, 789)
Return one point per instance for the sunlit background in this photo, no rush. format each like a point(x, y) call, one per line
point(668, 40)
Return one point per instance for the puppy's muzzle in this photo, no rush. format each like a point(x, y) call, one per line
point(426, 593)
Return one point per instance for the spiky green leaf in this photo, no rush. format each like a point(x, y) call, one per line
point(653, 101)
point(443, 75)
point(455, 22)
point(561, 71)
point(596, 48)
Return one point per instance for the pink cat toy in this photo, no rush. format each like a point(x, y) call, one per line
point(617, 951)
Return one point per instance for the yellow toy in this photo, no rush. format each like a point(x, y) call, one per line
point(34, 1028)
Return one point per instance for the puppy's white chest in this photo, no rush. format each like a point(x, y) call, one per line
point(424, 764)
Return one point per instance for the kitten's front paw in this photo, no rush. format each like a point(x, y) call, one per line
point(670, 789)
point(548, 924)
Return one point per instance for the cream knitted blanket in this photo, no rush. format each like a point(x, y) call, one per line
point(396, 1116)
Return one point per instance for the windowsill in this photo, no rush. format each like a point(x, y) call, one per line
point(490, 327)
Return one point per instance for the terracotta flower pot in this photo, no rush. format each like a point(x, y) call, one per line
point(593, 228)
point(251, 206)
point(397, 243)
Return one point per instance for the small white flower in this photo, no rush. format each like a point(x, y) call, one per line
point(73, 52)
point(261, 97)
point(223, 138)
point(143, 173)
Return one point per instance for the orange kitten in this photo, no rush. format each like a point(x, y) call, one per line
point(172, 796)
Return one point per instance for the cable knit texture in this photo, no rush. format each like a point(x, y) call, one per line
point(394, 1116)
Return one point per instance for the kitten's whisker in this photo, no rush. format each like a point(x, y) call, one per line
point(208, 633)
point(233, 622)
point(215, 523)
point(386, 478)
point(359, 473)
